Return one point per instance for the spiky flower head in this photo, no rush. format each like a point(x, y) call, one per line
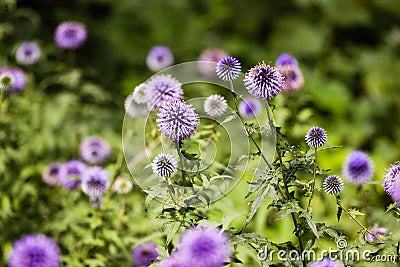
point(294, 79)
point(391, 175)
point(207, 56)
point(377, 231)
point(333, 185)
point(136, 104)
point(28, 53)
point(122, 185)
point(159, 57)
point(144, 255)
point(208, 247)
point(228, 68)
point(284, 60)
point(215, 105)
point(327, 262)
point(35, 250)
point(163, 89)
point(7, 81)
point(94, 149)
point(358, 168)
point(316, 137)
point(177, 120)
point(95, 182)
point(264, 81)
point(51, 174)
point(70, 35)
point(20, 80)
point(164, 165)
point(71, 173)
point(174, 260)
point(396, 191)
point(250, 107)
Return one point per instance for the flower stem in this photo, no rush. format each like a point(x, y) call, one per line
point(313, 181)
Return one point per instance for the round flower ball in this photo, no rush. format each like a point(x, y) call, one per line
point(70, 35)
point(391, 175)
point(250, 107)
point(177, 120)
point(94, 149)
point(316, 137)
point(144, 255)
point(35, 250)
point(358, 168)
point(51, 174)
point(162, 89)
point(7, 80)
point(215, 105)
point(228, 68)
point(333, 185)
point(28, 53)
point(164, 165)
point(71, 174)
point(95, 182)
point(207, 247)
point(159, 57)
point(207, 57)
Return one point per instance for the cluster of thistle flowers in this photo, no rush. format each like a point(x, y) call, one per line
point(93, 180)
point(198, 246)
point(68, 35)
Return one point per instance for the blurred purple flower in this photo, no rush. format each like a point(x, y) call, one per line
point(71, 174)
point(51, 174)
point(159, 57)
point(250, 107)
point(163, 89)
point(95, 182)
point(327, 262)
point(144, 255)
point(285, 59)
point(28, 53)
point(70, 35)
point(358, 168)
point(207, 57)
point(94, 149)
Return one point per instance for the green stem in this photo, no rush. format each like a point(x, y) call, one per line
point(313, 181)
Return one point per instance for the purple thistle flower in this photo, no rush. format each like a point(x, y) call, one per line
point(7, 80)
point(376, 231)
point(228, 68)
point(285, 59)
point(70, 35)
point(95, 182)
point(51, 174)
point(207, 56)
point(136, 103)
point(215, 105)
point(94, 149)
point(35, 250)
point(250, 107)
point(316, 137)
point(28, 53)
point(333, 185)
point(20, 80)
point(207, 247)
point(71, 174)
point(163, 89)
point(173, 261)
point(164, 165)
point(177, 120)
point(293, 76)
point(327, 262)
point(144, 255)
point(358, 168)
point(264, 81)
point(159, 57)
point(392, 175)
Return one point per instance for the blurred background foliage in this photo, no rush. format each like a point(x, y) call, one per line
point(348, 51)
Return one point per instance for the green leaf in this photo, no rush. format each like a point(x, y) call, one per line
point(172, 228)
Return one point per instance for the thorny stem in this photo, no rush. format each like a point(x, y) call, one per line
point(272, 126)
point(313, 181)
point(247, 131)
point(356, 220)
point(178, 149)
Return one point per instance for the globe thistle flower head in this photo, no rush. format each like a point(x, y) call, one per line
point(164, 165)
point(264, 81)
point(358, 168)
point(326, 262)
point(95, 182)
point(163, 89)
point(19, 80)
point(35, 250)
point(396, 191)
point(28, 53)
point(70, 174)
point(159, 57)
point(316, 137)
point(51, 174)
point(376, 231)
point(94, 149)
point(177, 120)
point(228, 68)
point(7, 81)
point(70, 35)
point(144, 255)
point(293, 76)
point(122, 185)
point(392, 175)
point(284, 60)
point(250, 107)
point(210, 55)
point(173, 261)
point(208, 247)
point(135, 109)
point(215, 105)
point(333, 185)
point(139, 93)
